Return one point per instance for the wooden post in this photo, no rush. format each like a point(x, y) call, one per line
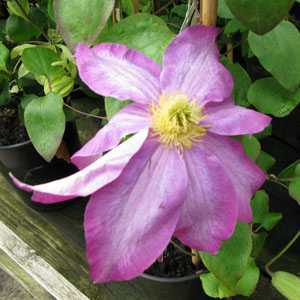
point(208, 9)
point(136, 6)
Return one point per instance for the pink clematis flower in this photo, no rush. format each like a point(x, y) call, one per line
point(180, 174)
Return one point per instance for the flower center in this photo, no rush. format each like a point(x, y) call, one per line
point(176, 120)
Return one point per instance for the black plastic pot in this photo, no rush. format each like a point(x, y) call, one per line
point(20, 158)
point(46, 173)
point(187, 288)
point(27, 165)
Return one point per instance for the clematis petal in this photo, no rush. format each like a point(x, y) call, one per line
point(130, 222)
point(228, 119)
point(117, 71)
point(89, 180)
point(209, 213)
point(191, 66)
point(244, 174)
point(130, 119)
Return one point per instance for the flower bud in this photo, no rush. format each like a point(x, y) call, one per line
point(287, 284)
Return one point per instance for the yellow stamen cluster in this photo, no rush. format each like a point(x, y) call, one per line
point(176, 120)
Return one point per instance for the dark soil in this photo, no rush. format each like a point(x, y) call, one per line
point(173, 263)
point(11, 131)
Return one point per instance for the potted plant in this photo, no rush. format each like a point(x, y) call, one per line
point(164, 166)
point(37, 77)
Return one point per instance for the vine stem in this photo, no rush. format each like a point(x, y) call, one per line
point(84, 113)
point(275, 179)
point(181, 249)
point(162, 8)
point(280, 253)
point(208, 9)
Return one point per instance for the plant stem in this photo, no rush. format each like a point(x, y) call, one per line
point(181, 249)
point(275, 179)
point(288, 179)
point(162, 8)
point(208, 11)
point(280, 253)
point(84, 113)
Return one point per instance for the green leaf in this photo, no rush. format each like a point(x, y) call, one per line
point(234, 26)
point(45, 123)
point(265, 161)
point(38, 60)
point(25, 100)
point(266, 132)
point(38, 17)
point(86, 127)
point(59, 84)
point(4, 89)
point(294, 189)
point(82, 20)
point(271, 220)
point(19, 8)
point(278, 52)
point(41, 61)
point(246, 285)
point(214, 288)
point(231, 263)
point(4, 55)
point(20, 30)
point(242, 82)
point(127, 7)
point(297, 170)
point(2, 29)
point(260, 16)
point(271, 98)
point(112, 106)
point(179, 10)
point(18, 50)
point(258, 240)
point(287, 284)
point(289, 172)
point(251, 146)
point(224, 11)
point(260, 206)
point(146, 33)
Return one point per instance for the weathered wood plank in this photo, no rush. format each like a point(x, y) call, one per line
point(39, 270)
point(56, 247)
point(27, 282)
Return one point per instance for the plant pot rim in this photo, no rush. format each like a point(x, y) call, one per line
point(172, 279)
point(18, 145)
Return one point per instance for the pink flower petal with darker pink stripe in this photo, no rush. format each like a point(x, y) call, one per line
point(130, 119)
point(115, 70)
point(210, 210)
point(90, 179)
point(130, 222)
point(191, 66)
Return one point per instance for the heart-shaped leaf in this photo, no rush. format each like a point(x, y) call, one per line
point(4, 55)
point(260, 16)
point(20, 30)
point(269, 97)
point(45, 123)
point(81, 21)
point(231, 263)
point(38, 60)
point(278, 52)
